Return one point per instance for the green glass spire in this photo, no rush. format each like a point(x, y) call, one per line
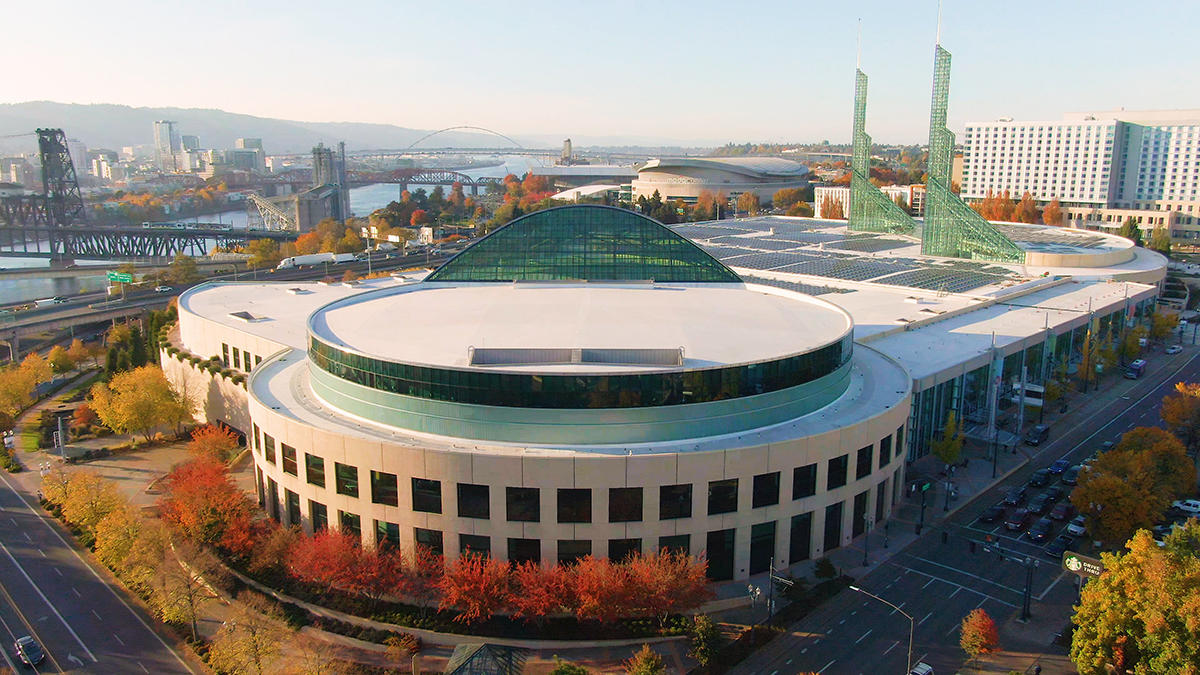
point(584, 243)
point(952, 228)
point(870, 209)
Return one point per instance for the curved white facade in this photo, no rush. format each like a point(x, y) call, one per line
point(685, 178)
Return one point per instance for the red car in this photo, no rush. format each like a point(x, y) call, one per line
point(1062, 511)
point(1017, 520)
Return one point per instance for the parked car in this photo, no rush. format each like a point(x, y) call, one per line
point(1059, 466)
point(1060, 544)
point(993, 513)
point(29, 651)
point(1054, 493)
point(1040, 477)
point(1188, 506)
point(1174, 349)
point(1037, 435)
point(1039, 504)
point(1041, 529)
point(1017, 520)
point(1076, 526)
point(1062, 511)
point(1071, 476)
point(1015, 496)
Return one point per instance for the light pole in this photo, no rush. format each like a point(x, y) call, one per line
point(755, 593)
point(912, 625)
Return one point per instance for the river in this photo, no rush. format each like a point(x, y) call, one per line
point(363, 201)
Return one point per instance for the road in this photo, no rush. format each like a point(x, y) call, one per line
point(939, 583)
point(49, 591)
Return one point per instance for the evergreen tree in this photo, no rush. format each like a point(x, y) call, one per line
point(137, 348)
point(123, 361)
point(110, 361)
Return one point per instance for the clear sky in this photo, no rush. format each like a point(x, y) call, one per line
point(686, 70)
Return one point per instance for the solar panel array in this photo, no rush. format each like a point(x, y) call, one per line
point(950, 281)
point(850, 269)
point(1037, 236)
point(808, 289)
point(762, 243)
point(871, 245)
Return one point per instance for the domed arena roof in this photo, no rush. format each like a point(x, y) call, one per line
point(584, 243)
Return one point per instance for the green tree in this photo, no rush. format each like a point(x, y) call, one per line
point(1162, 324)
point(1160, 240)
point(1142, 614)
point(60, 360)
point(567, 668)
point(252, 640)
point(645, 662)
point(184, 270)
point(263, 253)
point(706, 640)
point(1131, 231)
point(948, 447)
point(137, 348)
point(139, 401)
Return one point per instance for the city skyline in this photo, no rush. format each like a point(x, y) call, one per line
point(536, 72)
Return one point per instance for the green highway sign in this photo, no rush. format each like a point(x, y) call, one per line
point(1082, 565)
point(123, 277)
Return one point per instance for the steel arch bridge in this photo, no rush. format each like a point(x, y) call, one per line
point(406, 177)
point(461, 127)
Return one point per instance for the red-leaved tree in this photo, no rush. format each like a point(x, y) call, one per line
point(329, 558)
point(667, 582)
point(379, 572)
point(476, 585)
point(202, 503)
point(538, 591)
point(422, 574)
point(602, 590)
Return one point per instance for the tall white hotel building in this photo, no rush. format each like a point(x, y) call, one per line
point(1103, 167)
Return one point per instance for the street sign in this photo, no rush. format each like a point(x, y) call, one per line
point(123, 277)
point(1082, 565)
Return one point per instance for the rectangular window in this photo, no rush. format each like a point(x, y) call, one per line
point(427, 495)
point(899, 439)
point(273, 498)
point(838, 467)
point(314, 470)
point(858, 522)
point(384, 489)
point(474, 543)
point(350, 523)
point(880, 500)
point(675, 501)
point(722, 496)
point(677, 543)
point(719, 551)
point(523, 504)
point(575, 506)
point(429, 539)
point(624, 506)
point(319, 515)
point(862, 467)
point(804, 481)
point(620, 549)
point(387, 535)
point(766, 489)
point(800, 544)
point(289, 458)
point(571, 550)
point(473, 501)
point(292, 501)
point(259, 485)
point(762, 546)
point(255, 443)
point(345, 478)
point(833, 526)
point(225, 354)
point(885, 451)
point(269, 448)
point(248, 356)
point(237, 358)
point(524, 550)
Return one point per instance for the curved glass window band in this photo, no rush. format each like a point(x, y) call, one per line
point(544, 390)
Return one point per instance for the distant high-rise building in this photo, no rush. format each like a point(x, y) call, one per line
point(330, 169)
point(244, 159)
point(166, 146)
point(248, 144)
point(189, 142)
point(568, 155)
point(79, 155)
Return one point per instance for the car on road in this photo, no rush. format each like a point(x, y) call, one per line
point(1041, 529)
point(1039, 504)
point(1062, 511)
point(1037, 435)
point(1015, 496)
point(921, 668)
point(993, 513)
point(1017, 520)
point(29, 651)
point(1174, 349)
point(1059, 466)
point(1060, 544)
point(163, 289)
point(1040, 477)
point(1076, 526)
point(1189, 506)
point(1071, 476)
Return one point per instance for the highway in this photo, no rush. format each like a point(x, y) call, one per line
point(49, 591)
point(939, 583)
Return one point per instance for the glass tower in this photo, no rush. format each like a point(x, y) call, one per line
point(870, 209)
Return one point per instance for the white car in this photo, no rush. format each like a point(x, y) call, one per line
point(163, 289)
point(1188, 506)
point(1174, 349)
point(1075, 527)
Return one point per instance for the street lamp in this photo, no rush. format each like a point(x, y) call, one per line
point(912, 625)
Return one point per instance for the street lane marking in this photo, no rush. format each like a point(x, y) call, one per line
point(864, 636)
point(894, 643)
point(143, 668)
point(926, 617)
point(118, 639)
point(48, 604)
point(954, 628)
point(897, 609)
point(965, 588)
point(42, 552)
point(965, 573)
point(1052, 584)
point(45, 522)
point(931, 580)
point(58, 571)
point(955, 592)
point(96, 615)
point(826, 666)
point(76, 592)
point(27, 537)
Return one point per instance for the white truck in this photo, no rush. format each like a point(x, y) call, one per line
point(314, 259)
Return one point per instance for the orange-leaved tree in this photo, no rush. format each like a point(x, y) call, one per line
point(668, 582)
point(213, 441)
point(477, 586)
point(978, 634)
point(538, 591)
point(603, 591)
point(202, 503)
point(1181, 413)
point(329, 558)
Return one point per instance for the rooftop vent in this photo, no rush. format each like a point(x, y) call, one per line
point(298, 291)
point(491, 356)
point(246, 316)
